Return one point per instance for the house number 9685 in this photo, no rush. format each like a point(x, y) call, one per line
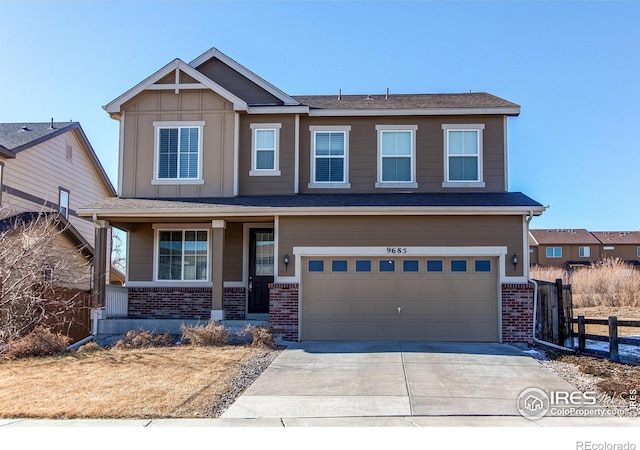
point(396, 250)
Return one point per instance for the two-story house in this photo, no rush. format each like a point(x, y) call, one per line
point(51, 168)
point(580, 247)
point(333, 217)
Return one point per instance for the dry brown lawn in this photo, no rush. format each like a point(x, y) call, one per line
point(141, 383)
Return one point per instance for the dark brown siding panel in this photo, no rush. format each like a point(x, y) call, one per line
point(267, 185)
point(233, 252)
point(402, 231)
point(141, 253)
point(238, 84)
point(363, 153)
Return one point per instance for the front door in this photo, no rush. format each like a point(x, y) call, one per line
point(261, 269)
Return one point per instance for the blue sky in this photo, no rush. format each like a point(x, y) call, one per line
point(574, 67)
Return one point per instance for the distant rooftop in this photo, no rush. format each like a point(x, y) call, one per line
point(563, 236)
point(15, 136)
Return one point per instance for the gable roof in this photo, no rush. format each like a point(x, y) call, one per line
point(560, 236)
point(618, 237)
point(25, 218)
point(477, 102)
point(20, 136)
point(114, 106)
point(262, 83)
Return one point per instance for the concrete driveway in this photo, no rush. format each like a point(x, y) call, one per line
point(389, 379)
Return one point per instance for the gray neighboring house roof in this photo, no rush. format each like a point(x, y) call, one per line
point(475, 100)
point(17, 137)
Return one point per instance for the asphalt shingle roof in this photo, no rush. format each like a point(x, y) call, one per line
point(618, 237)
point(476, 199)
point(406, 101)
point(15, 136)
point(560, 236)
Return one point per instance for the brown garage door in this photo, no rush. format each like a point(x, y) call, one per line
point(431, 299)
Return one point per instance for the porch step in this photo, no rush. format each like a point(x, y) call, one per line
point(109, 331)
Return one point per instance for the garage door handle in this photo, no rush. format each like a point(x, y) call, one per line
point(399, 310)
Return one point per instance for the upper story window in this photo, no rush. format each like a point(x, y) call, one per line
point(554, 252)
point(329, 156)
point(182, 255)
point(463, 155)
point(637, 250)
point(178, 153)
point(584, 252)
point(63, 202)
point(396, 156)
point(265, 149)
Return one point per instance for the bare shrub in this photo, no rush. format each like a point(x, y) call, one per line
point(42, 276)
point(40, 342)
point(212, 334)
point(261, 336)
point(144, 339)
point(89, 347)
point(610, 282)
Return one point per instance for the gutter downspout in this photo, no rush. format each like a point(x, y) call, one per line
point(535, 306)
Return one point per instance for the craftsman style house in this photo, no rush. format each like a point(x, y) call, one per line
point(332, 217)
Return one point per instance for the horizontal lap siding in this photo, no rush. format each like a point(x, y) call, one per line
point(42, 169)
point(403, 231)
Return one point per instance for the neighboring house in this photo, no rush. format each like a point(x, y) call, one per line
point(623, 245)
point(580, 247)
point(570, 247)
point(332, 217)
point(51, 167)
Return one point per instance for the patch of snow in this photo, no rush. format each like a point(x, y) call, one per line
point(625, 351)
point(535, 353)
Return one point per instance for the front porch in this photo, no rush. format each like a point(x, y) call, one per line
point(165, 309)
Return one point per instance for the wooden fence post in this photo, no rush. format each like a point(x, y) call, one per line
point(560, 312)
point(581, 332)
point(613, 339)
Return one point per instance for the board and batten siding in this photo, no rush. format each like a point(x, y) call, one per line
point(400, 231)
point(430, 171)
point(139, 142)
point(43, 168)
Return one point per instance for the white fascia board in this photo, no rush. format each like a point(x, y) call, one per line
point(114, 106)
point(310, 211)
point(414, 112)
point(270, 88)
point(532, 240)
point(278, 109)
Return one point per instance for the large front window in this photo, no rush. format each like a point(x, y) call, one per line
point(396, 156)
point(183, 255)
point(330, 156)
point(178, 152)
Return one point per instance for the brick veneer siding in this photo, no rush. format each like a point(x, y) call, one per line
point(234, 303)
point(517, 312)
point(170, 303)
point(183, 303)
point(283, 309)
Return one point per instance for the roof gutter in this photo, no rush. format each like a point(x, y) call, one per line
point(241, 211)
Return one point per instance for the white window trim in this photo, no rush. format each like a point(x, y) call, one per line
point(479, 128)
point(157, 228)
point(313, 184)
point(554, 256)
point(156, 148)
point(580, 251)
point(66, 206)
point(255, 172)
point(397, 184)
